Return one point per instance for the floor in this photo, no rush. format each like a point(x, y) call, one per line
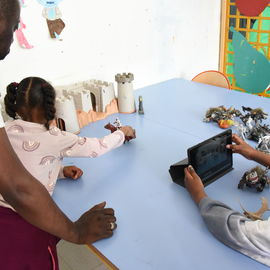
point(78, 257)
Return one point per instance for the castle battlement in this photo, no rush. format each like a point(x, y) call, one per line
point(124, 77)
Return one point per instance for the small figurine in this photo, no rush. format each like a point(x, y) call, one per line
point(140, 111)
point(224, 117)
point(118, 125)
point(225, 123)
point(252, 120)
point(264, 144)
point(256, 177)
point(257, 215)
point(256, 114)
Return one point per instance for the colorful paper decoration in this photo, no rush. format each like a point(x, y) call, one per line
point(22, 3)
point(19, 32)
point(251, 7)
point(55, 27)
point(53, 16)
point(21, 37)
point(251, 68)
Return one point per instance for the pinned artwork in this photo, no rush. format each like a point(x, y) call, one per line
point(251, 68)
point(19, 32)
point(22, 3)
point(251, 7)
point(251, 18)
point(52, 14)
point(55, 27)
point(21, 37)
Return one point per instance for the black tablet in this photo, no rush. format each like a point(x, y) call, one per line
point(211, 159)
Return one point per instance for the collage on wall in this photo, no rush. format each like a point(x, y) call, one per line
point(245, 45)
point(51, 13)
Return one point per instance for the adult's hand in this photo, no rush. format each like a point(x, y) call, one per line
point(95, 224)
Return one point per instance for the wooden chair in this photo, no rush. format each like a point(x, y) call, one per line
point(213, 77)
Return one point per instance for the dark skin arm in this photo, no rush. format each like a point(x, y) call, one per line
point(194, 185)
point(244, 149)
point(32, 201)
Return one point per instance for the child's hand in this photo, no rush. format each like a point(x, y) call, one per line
point(194, 185)
point(72, 172)
point(129, 132)
point(241, 147)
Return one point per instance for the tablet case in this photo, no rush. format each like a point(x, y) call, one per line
point(212, 149)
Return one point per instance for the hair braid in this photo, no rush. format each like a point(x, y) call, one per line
point(48, 103)
point(10, 100)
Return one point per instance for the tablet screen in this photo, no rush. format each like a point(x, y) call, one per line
point(211, 157)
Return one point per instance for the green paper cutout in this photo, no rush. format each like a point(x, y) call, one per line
point(251, 68)
point(264, 37)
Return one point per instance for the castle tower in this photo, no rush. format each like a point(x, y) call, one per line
point(126, 102)
point(66, 114)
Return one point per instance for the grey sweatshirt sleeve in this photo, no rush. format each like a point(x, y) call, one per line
point(251, 238)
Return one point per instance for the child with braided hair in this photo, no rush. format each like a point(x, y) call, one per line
point(41, 147)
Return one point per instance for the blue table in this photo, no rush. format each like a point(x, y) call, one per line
point(159, 226)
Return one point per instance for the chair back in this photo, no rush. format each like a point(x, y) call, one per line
point(213, 77)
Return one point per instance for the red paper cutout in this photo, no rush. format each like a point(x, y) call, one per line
point(251, 7)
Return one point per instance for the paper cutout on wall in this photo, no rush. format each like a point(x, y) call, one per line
point(55, 27)
point(21, 37)
point(251, 7)
point(22, 3)
point(53, 16)
point(49, 4)
point(19, 32)
point(251, 68)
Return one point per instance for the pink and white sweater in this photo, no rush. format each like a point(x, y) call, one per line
point(41, 151)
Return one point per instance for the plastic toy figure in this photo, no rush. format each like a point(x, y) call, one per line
point(264, 144)
point(252, 121)
point(224, 117)
point(258, 214)
point(140, 111)
point(113, 128)
point(257, 131)
point(256, 114)
point(117, 123)
point(256, 177)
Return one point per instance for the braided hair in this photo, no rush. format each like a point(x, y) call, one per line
point(30, 93)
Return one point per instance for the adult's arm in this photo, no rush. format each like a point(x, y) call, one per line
point(251, 238)
point(32, 201)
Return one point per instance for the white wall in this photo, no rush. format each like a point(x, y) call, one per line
point(155, 39)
